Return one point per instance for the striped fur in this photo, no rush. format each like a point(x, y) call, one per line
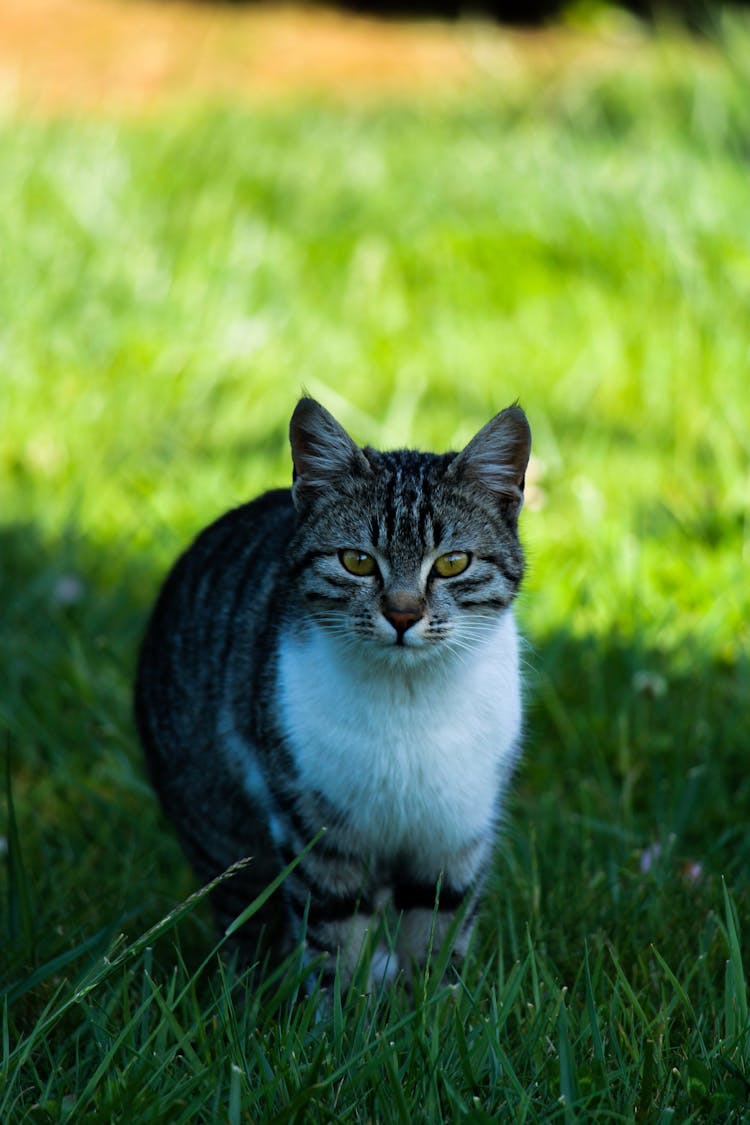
point(278, 693)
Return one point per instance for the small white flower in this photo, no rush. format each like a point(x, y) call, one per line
point(68, 590)
point(649, 684)
point(649, 857)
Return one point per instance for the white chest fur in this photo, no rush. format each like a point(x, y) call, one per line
point(416, 757)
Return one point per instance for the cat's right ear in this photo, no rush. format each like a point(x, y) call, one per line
point(322, 451)
point(497, 457)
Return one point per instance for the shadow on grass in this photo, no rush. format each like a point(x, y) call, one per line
point(96, 855)
point(630, 806)
point(633, 800)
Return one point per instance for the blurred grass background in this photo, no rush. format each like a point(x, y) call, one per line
point(575, 238)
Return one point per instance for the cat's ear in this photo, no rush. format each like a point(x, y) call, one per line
point(497, 457)
point(322, 451)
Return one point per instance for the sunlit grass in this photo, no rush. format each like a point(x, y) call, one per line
point(167, 290)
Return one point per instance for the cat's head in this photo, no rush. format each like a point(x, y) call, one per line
point(408, 552)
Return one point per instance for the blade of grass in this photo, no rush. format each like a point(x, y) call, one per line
point(235, 1095)
point(77, 1109)
point(403, 1111)
point(568, 1073)
point(20, 912)
point(596, 1038)
point(55, 966)
point(643, 1111)
point(273, 886)
point(736, 976)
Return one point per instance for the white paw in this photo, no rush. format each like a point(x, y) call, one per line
point(384, 967)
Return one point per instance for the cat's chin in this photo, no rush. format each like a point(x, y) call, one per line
point(405, 655)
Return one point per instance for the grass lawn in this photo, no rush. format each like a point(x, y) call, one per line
point(168, 286)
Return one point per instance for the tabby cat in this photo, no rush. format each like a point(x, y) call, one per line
point(344, 654)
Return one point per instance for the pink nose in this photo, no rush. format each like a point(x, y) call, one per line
point(402, 619)
point(401, 611)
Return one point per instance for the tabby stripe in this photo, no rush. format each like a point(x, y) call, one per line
point(374, 531)
point(422, 513)
point(313, 873)
point(333, 908)
point(303, 563)
point(301, 827)
point(204, 589)
point(275, 752)
point(315, 596)
point(328, 811)
point(470, 916)
point(234, 616)
point(510, 574)
point(306, 823)
point(328, 846)
point(421, 896)
point(305, 830)
point(299, 824)
point(213, 556)
point(306, 881)
point(483, 603)
point(474, 582)
point(426, 507)
point(390, 507)
point(339, 583)
point(291, 846)
point(325, 906)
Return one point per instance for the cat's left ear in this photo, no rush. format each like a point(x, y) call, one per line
point(497, 457)
point(322, 451)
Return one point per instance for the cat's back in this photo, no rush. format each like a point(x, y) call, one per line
point(215, 598)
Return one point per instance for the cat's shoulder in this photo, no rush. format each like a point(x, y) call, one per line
point(272, 507)
point(270, 514)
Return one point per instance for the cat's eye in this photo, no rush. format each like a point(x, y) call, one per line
point(448, 566)
point(358, 562)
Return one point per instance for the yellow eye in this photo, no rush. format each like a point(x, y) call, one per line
point(357, 562)
point(448, 566)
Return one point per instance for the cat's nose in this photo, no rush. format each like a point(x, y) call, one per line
point(402, 613)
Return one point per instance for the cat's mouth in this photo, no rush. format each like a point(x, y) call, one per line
point(405, 643)
point(400, 655)
point(397, 633)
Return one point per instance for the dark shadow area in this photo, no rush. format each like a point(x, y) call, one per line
point(511, 12)
point(633, 772)
point(98, 860)
point(697, 15)
point(632, 802)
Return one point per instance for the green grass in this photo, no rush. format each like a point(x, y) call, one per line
point(167, 288)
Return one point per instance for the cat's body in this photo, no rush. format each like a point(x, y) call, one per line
point(344, 655)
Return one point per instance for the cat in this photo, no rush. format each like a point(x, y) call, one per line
point(343, 654)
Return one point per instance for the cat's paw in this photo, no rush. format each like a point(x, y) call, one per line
point(384, 968)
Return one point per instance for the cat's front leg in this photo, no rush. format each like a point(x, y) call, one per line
point(342, 943)
point(332, 907)
point(428, 905)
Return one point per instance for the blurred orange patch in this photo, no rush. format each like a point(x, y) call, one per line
point(133, 55)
